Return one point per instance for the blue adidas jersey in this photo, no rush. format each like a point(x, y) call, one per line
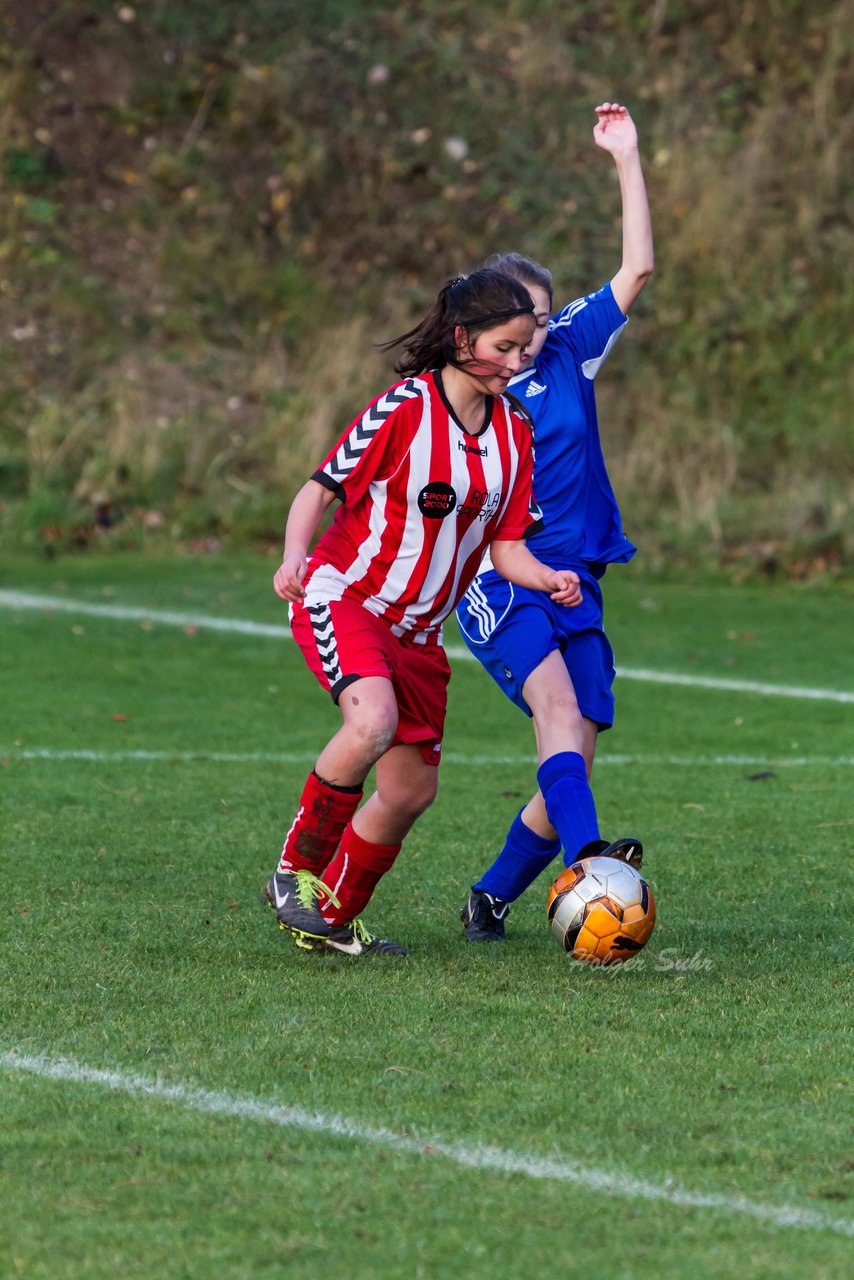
point(581, 520)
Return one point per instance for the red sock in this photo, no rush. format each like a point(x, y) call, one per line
point(324, 811)
point(354, 874)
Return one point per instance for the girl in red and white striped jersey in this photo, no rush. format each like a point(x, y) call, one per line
point(433, 471)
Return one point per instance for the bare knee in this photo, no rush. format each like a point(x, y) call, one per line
point(558, 723)
point(422, 794)
point(370, 718)
point(373, 734)
point(558, 708)
point(409, 801)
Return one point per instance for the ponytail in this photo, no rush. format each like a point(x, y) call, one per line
point(476, 302)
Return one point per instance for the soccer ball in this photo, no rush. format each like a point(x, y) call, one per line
point(601, 911)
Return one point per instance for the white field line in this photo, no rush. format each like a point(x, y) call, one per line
point(481, 1158)
point(127, 613)
point(59, 604)
point(450, 757)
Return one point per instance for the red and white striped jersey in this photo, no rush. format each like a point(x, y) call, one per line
point(421, 499)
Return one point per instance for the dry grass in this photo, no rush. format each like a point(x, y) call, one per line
point(200, 252)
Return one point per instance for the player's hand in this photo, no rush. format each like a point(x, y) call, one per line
point(564, 587)
point(287, 581)
point(615, 130)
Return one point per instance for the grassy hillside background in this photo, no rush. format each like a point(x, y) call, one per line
point(212, 211)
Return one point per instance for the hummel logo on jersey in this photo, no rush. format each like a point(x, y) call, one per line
point(472, 448)
point(534, 389)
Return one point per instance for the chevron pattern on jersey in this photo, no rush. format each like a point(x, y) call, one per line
point(324, 638)
point(365, 428)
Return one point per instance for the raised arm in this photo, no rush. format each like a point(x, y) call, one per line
point(615, 132)
point(304, 519)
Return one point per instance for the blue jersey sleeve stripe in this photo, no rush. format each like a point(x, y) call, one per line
point(565, 316)
point(591, 367)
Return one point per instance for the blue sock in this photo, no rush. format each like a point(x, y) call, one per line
point(569, 802)
point(524, 856)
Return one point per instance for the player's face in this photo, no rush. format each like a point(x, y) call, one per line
point(496, 355)
point(542, 310)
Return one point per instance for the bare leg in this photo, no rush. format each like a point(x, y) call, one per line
point(534, 813)
point(406, 786)
point(567, 739)
point(558, 726)
point(369, 710)
point(333, 790)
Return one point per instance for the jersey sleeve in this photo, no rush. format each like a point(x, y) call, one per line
point(589, 327)
point(365, 450)
point(521, 516)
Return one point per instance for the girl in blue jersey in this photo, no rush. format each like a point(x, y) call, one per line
point(556, 664)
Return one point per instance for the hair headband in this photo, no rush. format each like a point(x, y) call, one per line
point(496, 315)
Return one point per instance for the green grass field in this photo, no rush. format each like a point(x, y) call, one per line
point(184, 1094)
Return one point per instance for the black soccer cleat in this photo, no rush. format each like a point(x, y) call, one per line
point(353, 939)
point(293, 897)
point(483, 917)
point(627, 850)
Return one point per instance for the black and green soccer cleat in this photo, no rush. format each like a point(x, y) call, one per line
point(353, 939)
point(293, 896)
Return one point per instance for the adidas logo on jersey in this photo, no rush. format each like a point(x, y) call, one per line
point(534, 389)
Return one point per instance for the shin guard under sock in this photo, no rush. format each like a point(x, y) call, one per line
point(562, 779)
point(324, 812)
point(353, 875)
point(524, 856)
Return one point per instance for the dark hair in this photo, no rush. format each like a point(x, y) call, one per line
point(523, 269)
point(478, 301)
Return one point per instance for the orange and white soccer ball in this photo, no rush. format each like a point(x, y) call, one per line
point(601, 911)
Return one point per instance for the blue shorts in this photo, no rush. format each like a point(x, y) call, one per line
point(510, 630)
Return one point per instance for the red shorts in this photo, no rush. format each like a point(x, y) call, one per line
point(342, 641)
